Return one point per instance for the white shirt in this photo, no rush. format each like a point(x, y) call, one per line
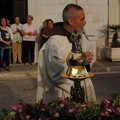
point(16, 37)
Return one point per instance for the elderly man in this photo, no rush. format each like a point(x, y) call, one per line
point(52, 58)
point(17, 41)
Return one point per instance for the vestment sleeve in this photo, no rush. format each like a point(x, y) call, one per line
point(55, 61)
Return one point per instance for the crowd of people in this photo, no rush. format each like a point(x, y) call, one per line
point(17, 41)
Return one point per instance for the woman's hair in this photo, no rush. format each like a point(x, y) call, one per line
point(2, 19)
point(49, 20)
point(69, 11)
point(30, 16)
point(17, 17)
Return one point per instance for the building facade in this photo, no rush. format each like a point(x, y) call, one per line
point(98, 14)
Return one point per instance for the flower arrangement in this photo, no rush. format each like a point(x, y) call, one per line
point(65, 109)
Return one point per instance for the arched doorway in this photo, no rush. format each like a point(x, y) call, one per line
point(12, 8)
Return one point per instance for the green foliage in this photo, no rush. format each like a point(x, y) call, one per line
point(91, 112)
point(118, 44)
point(6, 115)
point(114, 27)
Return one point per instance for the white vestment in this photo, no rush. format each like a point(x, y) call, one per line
point(52, 63)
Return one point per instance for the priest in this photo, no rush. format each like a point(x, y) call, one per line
point(52, 58)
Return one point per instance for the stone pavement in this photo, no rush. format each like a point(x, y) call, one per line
point(105, 66)
point(21, 81)
point(18, 84)
point(98, 66)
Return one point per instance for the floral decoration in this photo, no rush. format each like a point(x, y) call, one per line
point(65, 109)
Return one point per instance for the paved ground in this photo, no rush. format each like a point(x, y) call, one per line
point(18, 84)
point(21, 81)
point(105, 66)
point(106, 83)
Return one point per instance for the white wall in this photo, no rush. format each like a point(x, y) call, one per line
point(45, 9)
point(96, 16)
point(114, 10)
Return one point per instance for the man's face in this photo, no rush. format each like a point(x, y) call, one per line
point(17, 20)
point(78, 21)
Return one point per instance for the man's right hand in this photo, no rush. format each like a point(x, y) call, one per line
point(89, 57)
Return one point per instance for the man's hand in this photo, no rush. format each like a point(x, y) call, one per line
point(89, 57)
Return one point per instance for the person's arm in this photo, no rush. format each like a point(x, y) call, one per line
point(23, 32)
point(12, 28)
point(44, 36)
point(15, 32)
point(11, 36)
point(34, 33)
point(5, 42)
point(18, 31)
point(2, 41)
point(44, 33)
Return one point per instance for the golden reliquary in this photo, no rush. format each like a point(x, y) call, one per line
point(76, 59)
point(76, 65)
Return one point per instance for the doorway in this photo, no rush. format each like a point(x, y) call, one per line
point(12, 8)
point(6, 9)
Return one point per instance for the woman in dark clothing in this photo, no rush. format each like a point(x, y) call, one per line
point(6, 38)
point(46, 32)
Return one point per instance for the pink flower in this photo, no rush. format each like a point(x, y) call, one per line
point(106, 102)
point(55, 114)
point(18, 107)
point(62, 105)
point(71, 110)
point(105, 113)
point(79, 110)
point(116, 110)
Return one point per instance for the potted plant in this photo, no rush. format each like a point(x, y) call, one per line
point(114, 29)
point(113, 49)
